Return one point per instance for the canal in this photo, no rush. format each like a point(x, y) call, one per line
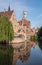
point(30, 54)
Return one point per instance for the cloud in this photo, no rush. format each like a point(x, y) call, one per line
point(17, 5)
point(21, 7)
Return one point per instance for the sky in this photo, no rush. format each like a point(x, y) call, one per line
point(33, 8)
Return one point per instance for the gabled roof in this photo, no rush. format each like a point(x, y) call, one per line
point(6, 13)
point(24, 22)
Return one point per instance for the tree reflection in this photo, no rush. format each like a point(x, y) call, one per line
point(40, 44)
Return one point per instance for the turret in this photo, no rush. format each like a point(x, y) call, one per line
point(24, 15)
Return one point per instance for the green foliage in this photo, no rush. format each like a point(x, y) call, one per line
point(40, 44)
point(39, 34)
point(33, 38)
point(6, 29)
point(6, 56)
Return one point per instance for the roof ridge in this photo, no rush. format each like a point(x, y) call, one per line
point(6, 13)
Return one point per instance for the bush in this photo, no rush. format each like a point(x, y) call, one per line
point(33, 38)
point(6, 56)
point(39, 33)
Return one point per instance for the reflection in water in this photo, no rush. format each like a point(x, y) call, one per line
point(40, 44)
point(22, 53)
point(25, 53)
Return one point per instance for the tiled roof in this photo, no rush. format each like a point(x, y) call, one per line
point(24, 22)
point(20, 22)
point(6, 13)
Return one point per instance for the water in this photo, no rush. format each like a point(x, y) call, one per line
point(31, 54)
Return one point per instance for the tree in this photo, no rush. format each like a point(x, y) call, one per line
point(40, 44)
point(6, 29)
point(39, 34)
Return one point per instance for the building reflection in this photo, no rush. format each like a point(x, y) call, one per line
point(25, 55)
point(22, 53)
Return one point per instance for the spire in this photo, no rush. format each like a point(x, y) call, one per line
point(24, 14)
point(9, 8)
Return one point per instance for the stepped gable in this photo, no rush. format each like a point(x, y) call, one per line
point(24, 22)
point(6, 13)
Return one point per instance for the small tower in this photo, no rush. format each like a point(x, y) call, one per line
point(9, 8)
point(24, 14)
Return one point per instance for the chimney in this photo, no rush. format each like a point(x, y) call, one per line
point(24, 14)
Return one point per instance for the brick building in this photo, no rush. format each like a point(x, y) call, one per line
point(11, 16)
point(23, 25)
